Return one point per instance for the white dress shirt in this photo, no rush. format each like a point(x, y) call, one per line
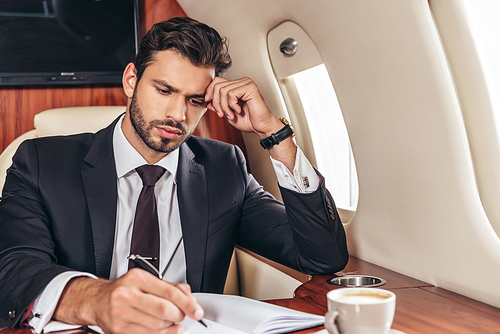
point(172, 260)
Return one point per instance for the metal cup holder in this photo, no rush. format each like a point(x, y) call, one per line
point(356, 281)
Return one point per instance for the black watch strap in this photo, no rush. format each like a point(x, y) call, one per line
point(277, 137)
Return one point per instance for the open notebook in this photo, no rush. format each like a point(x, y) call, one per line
point(237, 315)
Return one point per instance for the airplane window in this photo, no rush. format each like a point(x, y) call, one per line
point(469, 33)
point(330, 141)
point(313, 108)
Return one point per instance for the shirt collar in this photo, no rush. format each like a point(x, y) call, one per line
point(127, 159)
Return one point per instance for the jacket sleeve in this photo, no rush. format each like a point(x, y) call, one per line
point(27, 260)
point(304, 232)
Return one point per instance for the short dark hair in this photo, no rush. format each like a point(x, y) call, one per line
point(193, 40)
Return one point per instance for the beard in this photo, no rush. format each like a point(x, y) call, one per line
point(143, 129)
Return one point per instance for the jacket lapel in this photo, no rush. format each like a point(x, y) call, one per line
point(192, 196)
point(100, 186)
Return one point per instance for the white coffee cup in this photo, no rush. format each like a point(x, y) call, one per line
point(360, 311)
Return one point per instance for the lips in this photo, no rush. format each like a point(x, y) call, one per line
point(169, 132)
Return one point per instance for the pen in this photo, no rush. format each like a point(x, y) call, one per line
point(143, 263)
point(204, 324)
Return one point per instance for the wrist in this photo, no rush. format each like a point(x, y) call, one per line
point(285, 132)
point(275, 127)
point(78, 301)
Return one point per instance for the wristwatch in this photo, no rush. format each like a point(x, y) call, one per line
point(279, 136)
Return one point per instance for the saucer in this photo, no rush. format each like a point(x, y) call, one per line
point(391, 331)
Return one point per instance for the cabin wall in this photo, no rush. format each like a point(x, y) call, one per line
point(419, 211)
point(19, 104)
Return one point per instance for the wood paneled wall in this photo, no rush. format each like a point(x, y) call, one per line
point(19, 104)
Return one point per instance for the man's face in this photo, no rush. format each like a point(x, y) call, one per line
point(167, 103)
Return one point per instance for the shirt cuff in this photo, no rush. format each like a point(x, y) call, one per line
point(304, 178)
point(45, 304)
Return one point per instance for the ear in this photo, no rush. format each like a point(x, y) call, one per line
point(129, 79)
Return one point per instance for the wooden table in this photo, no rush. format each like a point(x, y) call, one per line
point(420, 307)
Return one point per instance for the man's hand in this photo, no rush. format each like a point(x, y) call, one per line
point(137, 302)
point(242, 104)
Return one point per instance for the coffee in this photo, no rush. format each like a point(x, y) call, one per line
point(360, 311)
point(362, 297)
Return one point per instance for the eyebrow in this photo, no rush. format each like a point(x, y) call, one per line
point(176, 90)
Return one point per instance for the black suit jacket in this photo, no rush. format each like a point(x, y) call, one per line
point(58, 213)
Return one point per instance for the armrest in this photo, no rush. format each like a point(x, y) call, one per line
point(299, 276)
point(263, 279)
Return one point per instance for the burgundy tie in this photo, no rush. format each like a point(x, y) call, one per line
point(146, 232)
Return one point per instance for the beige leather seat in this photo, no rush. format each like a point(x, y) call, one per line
point(61, 121)
point(248, 275)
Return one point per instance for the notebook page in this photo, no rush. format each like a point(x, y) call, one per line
point(248, 314)
point(194, 327)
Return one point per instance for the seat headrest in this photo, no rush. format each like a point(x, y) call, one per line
point(65, 121)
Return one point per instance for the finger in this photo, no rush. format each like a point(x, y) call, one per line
point(164, 300)
point(133, 306)
point(210, 89)
point(186, 288)
point(210, 107)
point(233, 103)
point(180, 297)
point(155, 312)
point(174, 329)
point(229, 96)
point(220, 94)
point(123, 316)
point(136, 317)
point(209, 96)
point(219, 99)
point(224, 105)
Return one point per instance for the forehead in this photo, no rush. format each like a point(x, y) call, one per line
point(178, 71)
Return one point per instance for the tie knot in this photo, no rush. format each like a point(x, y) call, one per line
point(150, 174)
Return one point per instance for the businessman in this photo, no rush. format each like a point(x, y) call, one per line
point(72, 206)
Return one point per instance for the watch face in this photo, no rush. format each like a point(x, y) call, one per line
point(267, 142)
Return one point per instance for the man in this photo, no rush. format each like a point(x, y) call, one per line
point(68, 204)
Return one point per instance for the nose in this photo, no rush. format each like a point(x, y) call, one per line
point(176, 109)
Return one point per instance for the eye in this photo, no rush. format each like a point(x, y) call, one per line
point(163, 91)
point(196, 103)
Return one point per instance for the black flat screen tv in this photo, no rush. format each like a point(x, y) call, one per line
point(50, 42)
